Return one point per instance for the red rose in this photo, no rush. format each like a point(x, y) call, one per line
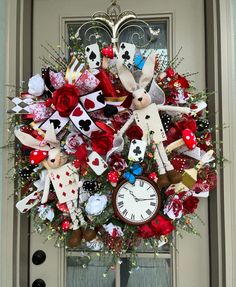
point(162, 225)
point(134, 132)
point(102, 142)
point(190, 204)
point(65, 99)
point(81, 153)
point(146, 231)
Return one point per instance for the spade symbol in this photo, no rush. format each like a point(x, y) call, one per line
point(126, 56)
point(147, 117)
point(100, 98)
point(92, 56)
point(137, 151)
point(122, 46)
point(85, 125)
point(56, 124)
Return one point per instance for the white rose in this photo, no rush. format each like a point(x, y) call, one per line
point(96, 204)
point(113, 230)
point(46, 212)
point(73, 140)
point(95, 244)
point(36, 85)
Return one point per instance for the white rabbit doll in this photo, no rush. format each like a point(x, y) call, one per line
point(64, 176)
point(146, 114)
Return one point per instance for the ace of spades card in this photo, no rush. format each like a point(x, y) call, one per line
point(137, 150)
point(149, 121)
point(97, 163)
point(126, 54)
point(65, 180)
point(93, 56)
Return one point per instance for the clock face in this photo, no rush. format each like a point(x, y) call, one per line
point(136, 203)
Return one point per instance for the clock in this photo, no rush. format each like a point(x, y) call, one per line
point(137, 203)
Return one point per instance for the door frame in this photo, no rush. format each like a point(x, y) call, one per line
point(220, 77)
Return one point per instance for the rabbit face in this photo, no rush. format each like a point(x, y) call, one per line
point(141, 99)
point(56, 158)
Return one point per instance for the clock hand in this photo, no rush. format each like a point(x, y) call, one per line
point(143, 199)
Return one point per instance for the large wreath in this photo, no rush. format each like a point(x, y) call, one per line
point(115, 150)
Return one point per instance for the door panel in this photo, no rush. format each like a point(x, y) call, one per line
point(191, 262)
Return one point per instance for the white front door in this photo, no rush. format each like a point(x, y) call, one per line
point(187, 265)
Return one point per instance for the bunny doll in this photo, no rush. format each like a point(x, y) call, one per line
point(146, 114)
point(64, 176)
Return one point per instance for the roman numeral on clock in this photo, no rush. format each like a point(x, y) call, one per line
point(125, 212)
point(132, 217)
point(141, 183)
point(152, 203)
point(120, 204)
point(148, 212)
point(121, 195)
point(152, 195)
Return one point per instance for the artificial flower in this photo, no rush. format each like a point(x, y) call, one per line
point(102, 142)
point(46, 212)
point(146, 231)
point(81, 153)
point(174, 208)
point(96, 204)
point(117, 162)
point(162, 225)
point(113, 230)
point(65, 99)
point(95, 244)
point(73, 140)
point(36, 85)
point(190, 204)
point(134, 132)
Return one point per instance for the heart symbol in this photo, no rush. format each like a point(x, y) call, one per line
point(101, 99)
point(77, 112)
point(95, 162)
point(88, 104)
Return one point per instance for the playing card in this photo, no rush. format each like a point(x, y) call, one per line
point(149, 121)
point(126, 54)
point(93, 56)
point(137, 150)
point(58, 122)
point(93, 102)
point(65, 180)
point(97, 163)
point(28, 202)
point(82, 120)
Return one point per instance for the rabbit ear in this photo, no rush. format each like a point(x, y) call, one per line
point(126, 77)
point(50, 137)
point(29, 141)
point(148, 70)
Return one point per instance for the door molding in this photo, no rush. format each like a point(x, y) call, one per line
point(220, 55)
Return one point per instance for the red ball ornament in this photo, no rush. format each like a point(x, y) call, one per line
point(65, 225)
point(108, 52)
point(152, 176)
